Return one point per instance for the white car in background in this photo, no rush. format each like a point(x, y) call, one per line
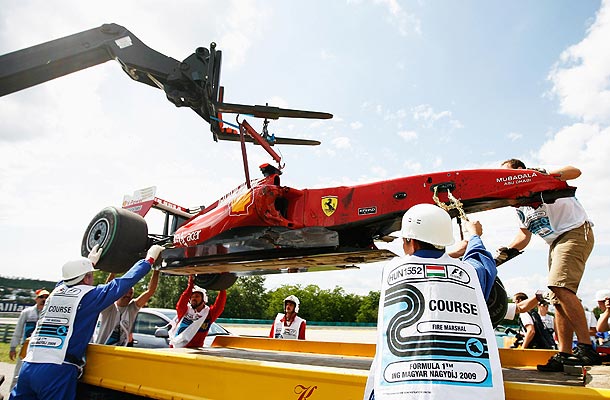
point(150, 320)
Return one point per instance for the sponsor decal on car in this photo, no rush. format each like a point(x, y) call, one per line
point(240, 205)
point(367, 210)
point(139, 196)
point(329, 205)
point(185, 238)
point(515, 179)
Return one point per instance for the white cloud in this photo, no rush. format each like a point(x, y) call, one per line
point(408, 136)
point(327, 55)
point(425, 113)
point(341, 142)
point(438, 161)
point(379, 171)
point(356, 125)
point(581, 79)
point(514, 136)
point(587, 148)
point(413, 167)
point(243, 14)
point(404, 22)
point(455, 124)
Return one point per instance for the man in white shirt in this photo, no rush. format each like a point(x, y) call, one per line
point(116, 320)
point(529, 330)
point(566, 228)
point(547, 319)
point(603, 302)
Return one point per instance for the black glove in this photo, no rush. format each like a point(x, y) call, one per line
point(506, 253)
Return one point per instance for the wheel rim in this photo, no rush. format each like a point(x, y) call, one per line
point(98, 233)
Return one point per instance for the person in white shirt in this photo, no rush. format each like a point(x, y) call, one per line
point(289, 325)
point(547, 319)
point(116, 321)
point(24, 328)
point(603, 302)
point(566, 228)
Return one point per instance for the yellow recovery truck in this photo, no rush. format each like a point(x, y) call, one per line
point(259, 368)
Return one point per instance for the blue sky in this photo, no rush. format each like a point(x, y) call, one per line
point(415, 87)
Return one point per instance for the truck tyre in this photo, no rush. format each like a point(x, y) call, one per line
point(123, 236)
point(216, 281)
point(497, 303)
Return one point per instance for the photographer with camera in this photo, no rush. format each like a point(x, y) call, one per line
point(535, 333)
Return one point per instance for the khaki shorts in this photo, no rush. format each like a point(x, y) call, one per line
point(567, 257)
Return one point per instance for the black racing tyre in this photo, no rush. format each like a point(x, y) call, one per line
point(497, 303)
point(215, 281)
point(123, 236)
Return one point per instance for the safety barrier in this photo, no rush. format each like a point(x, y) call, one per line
point(6, 332)
point(309, 323)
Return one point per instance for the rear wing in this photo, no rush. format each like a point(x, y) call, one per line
point(143, 200)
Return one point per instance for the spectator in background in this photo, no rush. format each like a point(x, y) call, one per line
point(536, 335)
point(526, 322)
point(194, 317)
point(24, 328)
point(116, 321)
point(592, 324)
point(547, 319)
point(603, 302)
point(289, 325)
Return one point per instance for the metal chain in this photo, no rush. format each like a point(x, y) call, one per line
point(455, 203)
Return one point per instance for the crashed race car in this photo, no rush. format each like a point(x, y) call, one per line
point(269, 228)
point(261, 227)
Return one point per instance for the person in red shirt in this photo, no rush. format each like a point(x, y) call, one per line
point(289, 325)
point(195, 316)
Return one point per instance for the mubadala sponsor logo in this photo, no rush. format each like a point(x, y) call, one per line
point(519, 178)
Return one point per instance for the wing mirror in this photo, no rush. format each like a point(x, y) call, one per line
point(162, 333)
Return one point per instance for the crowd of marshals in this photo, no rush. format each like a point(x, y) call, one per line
point(434, 331)
point(53, 364)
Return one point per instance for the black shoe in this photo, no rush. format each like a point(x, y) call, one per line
point(586, 355)
point(556, 362)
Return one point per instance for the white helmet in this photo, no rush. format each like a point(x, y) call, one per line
point(295, 300)
point(202, 291)
point(428, 223)
point(74, 271)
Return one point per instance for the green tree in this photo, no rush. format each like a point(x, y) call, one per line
point(168, 291)
point(316, 304)
point(369, 307)
point(275, 300)
point(247, 298)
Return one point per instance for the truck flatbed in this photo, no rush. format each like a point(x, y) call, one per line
point(238, 367)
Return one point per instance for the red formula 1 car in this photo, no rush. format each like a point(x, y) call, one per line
point(260, 227)
point(269, 228)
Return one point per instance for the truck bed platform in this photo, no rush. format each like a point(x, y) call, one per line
point(239, 367)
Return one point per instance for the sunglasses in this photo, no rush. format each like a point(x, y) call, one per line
point(43, 297)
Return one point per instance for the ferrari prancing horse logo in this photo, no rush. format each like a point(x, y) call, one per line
point(329, 205)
